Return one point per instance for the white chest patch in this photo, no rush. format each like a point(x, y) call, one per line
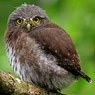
point(14, 62)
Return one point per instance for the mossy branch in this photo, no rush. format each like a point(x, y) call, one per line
point(13, 86)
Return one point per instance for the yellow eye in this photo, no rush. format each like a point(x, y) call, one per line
point(19, 21)
point(36, 20)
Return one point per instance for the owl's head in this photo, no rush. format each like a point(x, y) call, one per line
point(28, 17)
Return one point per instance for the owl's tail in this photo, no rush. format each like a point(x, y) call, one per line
point(83, 75)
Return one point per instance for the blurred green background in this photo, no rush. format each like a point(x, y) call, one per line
point(77, 17)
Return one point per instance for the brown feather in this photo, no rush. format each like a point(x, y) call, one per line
point(58, 43)
point(61, 46)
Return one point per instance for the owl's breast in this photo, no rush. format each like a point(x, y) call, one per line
point(32, 64)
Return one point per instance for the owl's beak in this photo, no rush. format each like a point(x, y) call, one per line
point(28, 24)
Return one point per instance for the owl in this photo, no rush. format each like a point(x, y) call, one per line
point(41, 52)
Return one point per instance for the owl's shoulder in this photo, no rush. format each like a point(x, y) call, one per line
point(54, 27)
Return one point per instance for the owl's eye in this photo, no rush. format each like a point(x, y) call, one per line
point(36, 20)
point(19, 21)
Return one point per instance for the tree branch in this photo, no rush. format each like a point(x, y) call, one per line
point(13, 86)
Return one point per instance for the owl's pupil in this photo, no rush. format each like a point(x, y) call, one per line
point(20, 21)
point(36, 19)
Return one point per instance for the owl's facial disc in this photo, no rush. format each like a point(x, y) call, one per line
point(29, 17)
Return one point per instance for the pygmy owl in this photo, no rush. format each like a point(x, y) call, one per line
point(41, 52)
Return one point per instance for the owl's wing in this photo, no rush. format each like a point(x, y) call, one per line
point(54, 40)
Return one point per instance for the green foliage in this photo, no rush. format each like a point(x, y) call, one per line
point(77, 17)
